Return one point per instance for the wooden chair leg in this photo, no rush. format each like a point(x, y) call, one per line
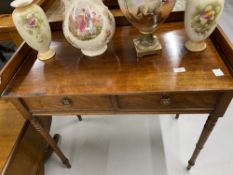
point(177, 116)
point(209, 126)
point(80, 118)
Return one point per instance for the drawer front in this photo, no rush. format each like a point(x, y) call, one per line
point(69, 103)
point(185, 101)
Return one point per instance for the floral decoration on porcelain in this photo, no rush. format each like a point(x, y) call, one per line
point(85, 24)
point(205, 17)
point(33, 23)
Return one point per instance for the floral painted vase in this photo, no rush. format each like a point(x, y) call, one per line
point(201, 18)
point(32, 24)
point(89, 25)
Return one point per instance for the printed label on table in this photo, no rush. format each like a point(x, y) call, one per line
point(179, 70)
point(218, 72)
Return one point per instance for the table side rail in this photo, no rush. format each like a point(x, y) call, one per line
point(12, 66)
point(24, 153)
point(224, 47)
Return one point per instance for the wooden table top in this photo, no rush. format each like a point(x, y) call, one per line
point(118, 71)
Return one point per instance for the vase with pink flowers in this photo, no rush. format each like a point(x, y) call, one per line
point(89, 26)
point(201, 18)
point(32, 24)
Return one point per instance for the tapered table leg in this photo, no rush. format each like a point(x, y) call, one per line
point(209, 125)
point(177, 116)
point(80, 118)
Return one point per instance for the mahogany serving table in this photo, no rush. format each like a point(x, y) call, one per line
point(119, 83)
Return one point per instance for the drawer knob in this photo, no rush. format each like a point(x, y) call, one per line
point(66, 101)
point(165, 101)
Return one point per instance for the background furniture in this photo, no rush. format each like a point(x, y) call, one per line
point(28, 153)
point(10, 125)
point(5, 7)
point(2, 58)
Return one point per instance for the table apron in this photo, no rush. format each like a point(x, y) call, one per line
point(163, 103)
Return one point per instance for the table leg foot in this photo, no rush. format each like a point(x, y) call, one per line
point(66, 162)
point(189, 167)
point(177, 116)
point(80, 118)
point(209, 126)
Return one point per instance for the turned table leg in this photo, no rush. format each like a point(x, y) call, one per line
point(21, 106)
point(44, 133)
point(208, 128)
point(220, 108)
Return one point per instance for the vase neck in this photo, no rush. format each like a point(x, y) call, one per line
point(21, 3)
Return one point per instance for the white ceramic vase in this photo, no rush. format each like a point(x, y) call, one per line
point(201, 18)
point(65, 4)
point(32, 24)
point(89, 25)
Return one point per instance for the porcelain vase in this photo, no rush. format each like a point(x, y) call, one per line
point(89, 25)
point(32, 24)
point(65, 4)
point(201, 18)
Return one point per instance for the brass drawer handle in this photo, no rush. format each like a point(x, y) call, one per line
point(165, 101)
point(67, 101)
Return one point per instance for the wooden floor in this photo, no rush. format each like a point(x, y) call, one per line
point(10, 125)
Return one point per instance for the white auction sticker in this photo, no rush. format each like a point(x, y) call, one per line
point(218, 72)
point(179, 69)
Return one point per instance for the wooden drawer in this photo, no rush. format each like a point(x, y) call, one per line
point(69, 103)
point(160, 102)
